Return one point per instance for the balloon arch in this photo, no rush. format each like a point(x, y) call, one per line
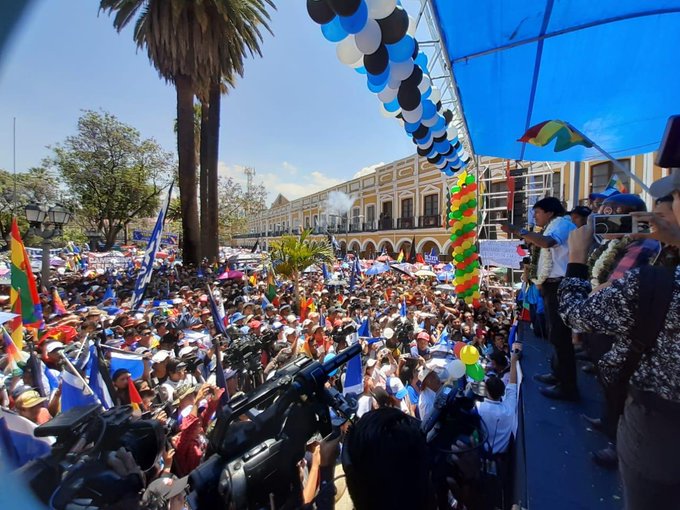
point(377, 39)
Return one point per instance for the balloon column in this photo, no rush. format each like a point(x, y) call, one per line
point(463, 223)
point(377, 38)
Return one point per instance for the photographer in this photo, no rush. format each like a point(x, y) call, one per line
point(644, 357)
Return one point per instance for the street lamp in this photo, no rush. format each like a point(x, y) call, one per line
point(39, 218)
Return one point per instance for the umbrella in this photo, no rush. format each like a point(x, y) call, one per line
point(446, 288)
point(230, 275)
point(336, 283)
point(445, 276)
point(312, 269)
point(405, 269)
point(377, 268)
point(426, 273)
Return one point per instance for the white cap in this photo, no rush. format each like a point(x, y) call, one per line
point(53, 346)
point(160, 356)
point(288, 331)
point(388, 333)
point(184, 351)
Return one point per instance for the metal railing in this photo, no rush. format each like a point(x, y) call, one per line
point(406, 222)
point(430, 221)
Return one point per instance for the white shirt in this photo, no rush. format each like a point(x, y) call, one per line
point(365, 404)
point(559, 229)
point(499, 418)
point(169, 387)
point(426, 403)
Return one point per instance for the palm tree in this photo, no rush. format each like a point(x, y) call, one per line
point(197, 46)
point(298, 253)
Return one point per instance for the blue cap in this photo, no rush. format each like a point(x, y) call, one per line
point(236, 317)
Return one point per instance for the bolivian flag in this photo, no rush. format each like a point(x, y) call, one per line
point(24, 298)
point(564, 135)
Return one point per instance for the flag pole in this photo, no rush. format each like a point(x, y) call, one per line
point(74, 371)
point(611, 158)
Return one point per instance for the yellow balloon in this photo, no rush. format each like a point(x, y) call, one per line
point(475, 295)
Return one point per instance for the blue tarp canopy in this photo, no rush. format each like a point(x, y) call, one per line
point(611, 68)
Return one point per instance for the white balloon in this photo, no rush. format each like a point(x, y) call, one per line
point(424, 84)
point(347, 51)
point(411, 27)
point(386, 113)
point(429, 122)
point(439, 133)
point(451, 132)
point(379, 9)
point(393, 82)
point(435, 96)
point(387, 95)
point(456, 369)
point(401, 70)
point(413, 116)
point(368, 40)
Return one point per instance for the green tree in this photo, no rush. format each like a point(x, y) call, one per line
point(236, 205)
point(38, 185)
point(198, 46)
point(296, 253)
point(112, 175)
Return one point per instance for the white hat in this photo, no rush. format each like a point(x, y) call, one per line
point(291, 318)
point(396, 388)
point(288, 331)
point(160, 357)
point(424, 372)
point(53, 346)
point(388, 333)
point(185, 351)
point(371, 362)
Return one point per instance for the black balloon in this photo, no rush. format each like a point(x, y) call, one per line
point(415, 51)
point(415, 78)
point(320, 11)
point(448, 116)
point(394, 26)
point(438, 105)
point(344, 7)
point(422, 152)
point(440, 138)
point(421, 132)
point(408, 97)
point(377, 62)
point(435, 159)
point(455, 146)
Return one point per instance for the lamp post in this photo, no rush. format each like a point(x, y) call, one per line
point(40, 218)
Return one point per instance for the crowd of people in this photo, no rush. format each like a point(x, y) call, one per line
point(413, 331)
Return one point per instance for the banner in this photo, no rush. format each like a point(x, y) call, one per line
point(36, 253)
point(146, 270)
point(100, 262)
point(501, 253)
point(144, 236)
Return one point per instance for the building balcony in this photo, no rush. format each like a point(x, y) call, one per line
point(386, 224)
point(431, 221)
point(355, 227)
point(369, 226)
point(406, 223)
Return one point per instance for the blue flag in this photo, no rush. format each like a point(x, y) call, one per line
point(96, 381)
point(131, 362)
point(73, 393)
point(354, 380)
point(217, 315)
point(17, 442)
point(109, 294)
point(324, 270)
point(403, 310)
point(364, 330)
point(145, 272)
point(353, 278)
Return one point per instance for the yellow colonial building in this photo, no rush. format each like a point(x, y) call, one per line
point(407, 199)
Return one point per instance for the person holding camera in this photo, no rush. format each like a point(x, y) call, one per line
point(640, 312)
point(549, 214)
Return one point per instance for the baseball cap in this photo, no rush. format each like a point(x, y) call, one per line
point(255, 324)
point(277, 325)
point(423, 335)
point(185, 351)
point(371, 362)
point(607, 193)
point(395, 388)
point(53, 346)
point(238, 316)
point(666, 185)
point(424, 372)
point(288, 331)
point(388, 333)
point(30, 398)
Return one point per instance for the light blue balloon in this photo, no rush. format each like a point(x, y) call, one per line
point(401, 50)
point(377, 84)
point(392, 106)
point(441, 124)
point(448, 171)
point(333, 30)
point(356, 22)
point(411, 127)
point(361, 70)
point(442, 147)
point(429, 109)
point(421, 60)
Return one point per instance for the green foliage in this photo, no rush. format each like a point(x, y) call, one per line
point(111, 173)
point(37, 185)
point(298, 253)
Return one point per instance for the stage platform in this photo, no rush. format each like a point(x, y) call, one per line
point(555, 444)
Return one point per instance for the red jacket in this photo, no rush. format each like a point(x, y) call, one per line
point(190, 444)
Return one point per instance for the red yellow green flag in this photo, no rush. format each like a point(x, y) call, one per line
point(564, 135)
point(24, 298)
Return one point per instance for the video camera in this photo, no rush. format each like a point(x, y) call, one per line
point(252, 464)
point(76, 468)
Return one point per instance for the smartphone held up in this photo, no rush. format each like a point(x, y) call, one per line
point(607, 226)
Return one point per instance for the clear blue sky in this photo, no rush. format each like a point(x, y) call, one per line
point(302, 119)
